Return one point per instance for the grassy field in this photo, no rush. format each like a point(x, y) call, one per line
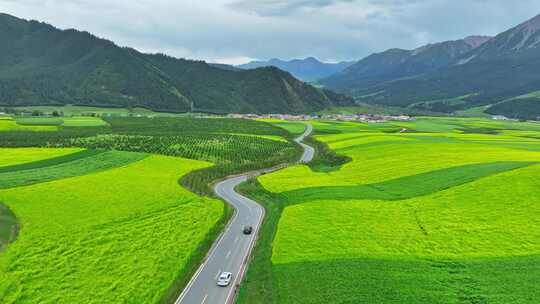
point(10, 157)
point(444, 212)
point(9, 124)
point(107, 206)
point(87, 163)
point(294, 127)
point(124, 234)
point(233, 145)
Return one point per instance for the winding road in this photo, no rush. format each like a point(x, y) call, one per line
point(232, 250)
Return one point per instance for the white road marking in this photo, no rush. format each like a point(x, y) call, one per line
point(228, 254)
point(236, 240)
point(204, 299)
point(217, 275)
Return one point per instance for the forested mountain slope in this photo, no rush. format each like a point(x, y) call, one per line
point(40, 64)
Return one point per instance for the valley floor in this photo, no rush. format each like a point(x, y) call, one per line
point(119, 209)
point(445, 212)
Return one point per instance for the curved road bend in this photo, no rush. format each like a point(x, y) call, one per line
point(232, 249)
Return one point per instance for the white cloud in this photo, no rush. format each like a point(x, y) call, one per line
point(232, 31)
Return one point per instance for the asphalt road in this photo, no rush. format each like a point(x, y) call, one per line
point(309, 152)
point(232, 250)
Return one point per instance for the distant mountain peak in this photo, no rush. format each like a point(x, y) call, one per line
point(522, 37)
point(307, 69)
point(531, 25)
point(476, 41)
point(312, 59)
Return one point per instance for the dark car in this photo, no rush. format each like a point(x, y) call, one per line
point(248, 229)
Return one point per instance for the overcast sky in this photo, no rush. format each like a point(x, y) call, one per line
point(235, 31)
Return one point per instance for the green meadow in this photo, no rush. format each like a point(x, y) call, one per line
point(9, 124)
point(10, 157)
point(104, 228)
point(438, 210)
point(106, 210)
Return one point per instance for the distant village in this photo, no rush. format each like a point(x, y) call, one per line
point(369, 118)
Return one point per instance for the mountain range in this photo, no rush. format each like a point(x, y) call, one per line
point(43, 65)
point(498, 74)
point(309, 69)
point(398, 63)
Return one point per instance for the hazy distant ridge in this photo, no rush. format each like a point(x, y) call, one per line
point(308, 69)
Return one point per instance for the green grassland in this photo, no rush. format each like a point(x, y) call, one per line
point(233, 145)
point(9, 124)
point(445, 212)
point(99, 215)
point(294, 127)
point(87, 163)
point(124, 234)
point(11, 157)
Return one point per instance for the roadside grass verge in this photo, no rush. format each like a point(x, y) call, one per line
point(259, 285)
point(325, 159)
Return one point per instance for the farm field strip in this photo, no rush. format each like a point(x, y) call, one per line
point(16, 156)
point(399, 188)
point(373, 163)
point(74, 155)
point(293, 127)
point(89, 163)
point(8, 124)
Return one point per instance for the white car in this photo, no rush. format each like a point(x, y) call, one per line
point(224, 279)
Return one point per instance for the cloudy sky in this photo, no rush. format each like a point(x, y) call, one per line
point(235, 31)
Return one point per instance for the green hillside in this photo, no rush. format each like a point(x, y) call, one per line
point(42, 65)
